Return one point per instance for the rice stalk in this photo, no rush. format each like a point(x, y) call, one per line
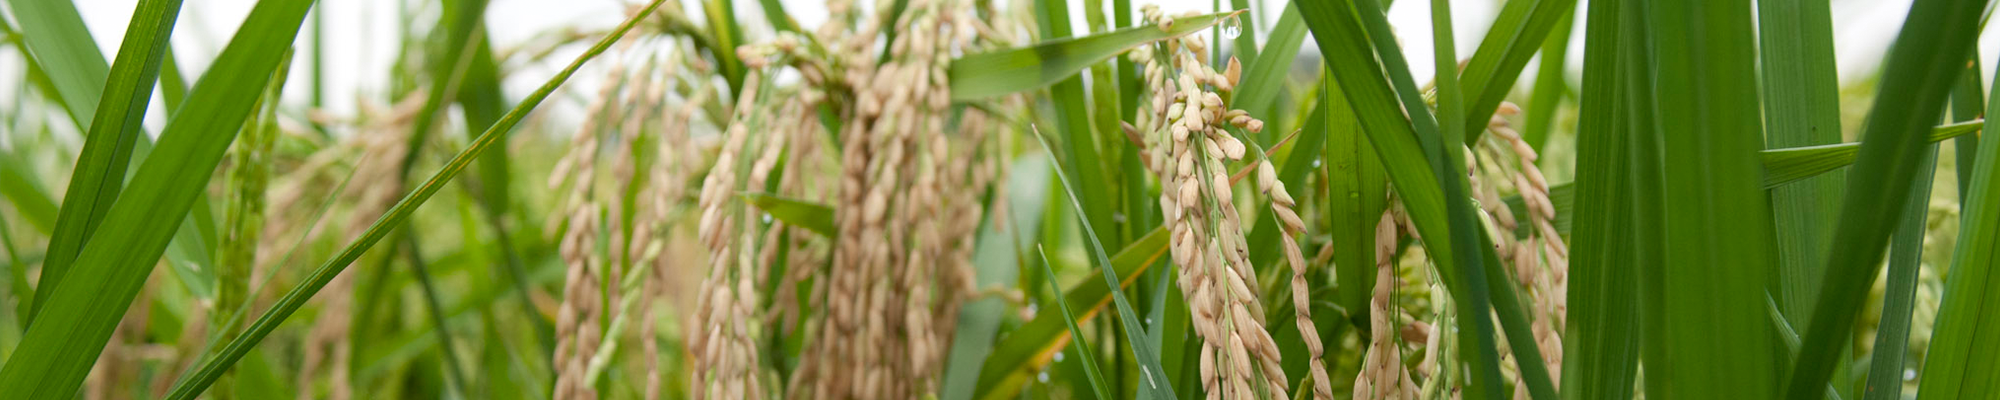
point(1382, 374)
point(1292, 227)
point(665, 189)
point(722, 337)
point(1188, 147)
point(880, 338)
point(586, 220)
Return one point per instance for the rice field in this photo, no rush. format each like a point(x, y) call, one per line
point(974, 199)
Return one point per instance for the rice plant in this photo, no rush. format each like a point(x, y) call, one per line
point(968, 199)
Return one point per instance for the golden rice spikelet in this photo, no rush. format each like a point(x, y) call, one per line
point(1187, 148)
point(901, 179)
point(1282, 206)
point(1382, 375)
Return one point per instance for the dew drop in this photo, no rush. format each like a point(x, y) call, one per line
point(1232, 27)
point(1909, 374)
point(1042, 377)
point(1059, 356)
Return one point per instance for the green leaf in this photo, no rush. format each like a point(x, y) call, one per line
point(1000, 72)
point(1964, 355)
point(812, 216)
point(1547, 95)
point(1787, 165)
point(1511, 41)
point(1081, 149)
point(1083, 352)
point(1921, 70)
point(1357, 194)
point(1781, 167)
point(482, 103)
point(1341, 38)
point(774, 13)
point(1899, 296)
point(1158, 386)
point(1967, 104)
point(107, 149)
point(1802, 108)
point(54, 35)
point(727, 35)
point(207, 371)
point(1028, 348)
point(58, 350)
point(1707, 335)
point(435, 310)
point(1471, 277)
point(1265, 76)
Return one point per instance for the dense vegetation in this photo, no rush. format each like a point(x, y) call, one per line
point(969, 199)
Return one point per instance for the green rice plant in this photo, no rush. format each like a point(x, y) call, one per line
point(753, 205)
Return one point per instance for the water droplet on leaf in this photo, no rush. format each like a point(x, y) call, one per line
point(1232, 27)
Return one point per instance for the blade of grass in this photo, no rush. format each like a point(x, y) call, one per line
point(173, 84)
point(206, 373)
point(1264, 78)
point(1129, 85)
point(1921, 69)
point(58, 351)
point(1801, 108)
point(1967, 105)
point(1469, 274)
point(1084, 355)
point(1106, 109)
point(1340, 37)
point(1961, 361)
point(1781, 167)
point(1617, 205)
point(100, 171)
point(54, 33)
point(1899, 295)
point(1157, 386)
point(1357, 193)
point(1547, 95)
point(1467, 235)
point(1713, 339)
point(482, 103)
point(1789, 336)
point(1029, 347)
point(1787, 165)
point(1081, 151)
point(728, 34)
point(454, 373)
point(1001, 72)
point(1511, 41)
point(774, 13)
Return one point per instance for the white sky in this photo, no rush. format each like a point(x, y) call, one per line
point(359, 59)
